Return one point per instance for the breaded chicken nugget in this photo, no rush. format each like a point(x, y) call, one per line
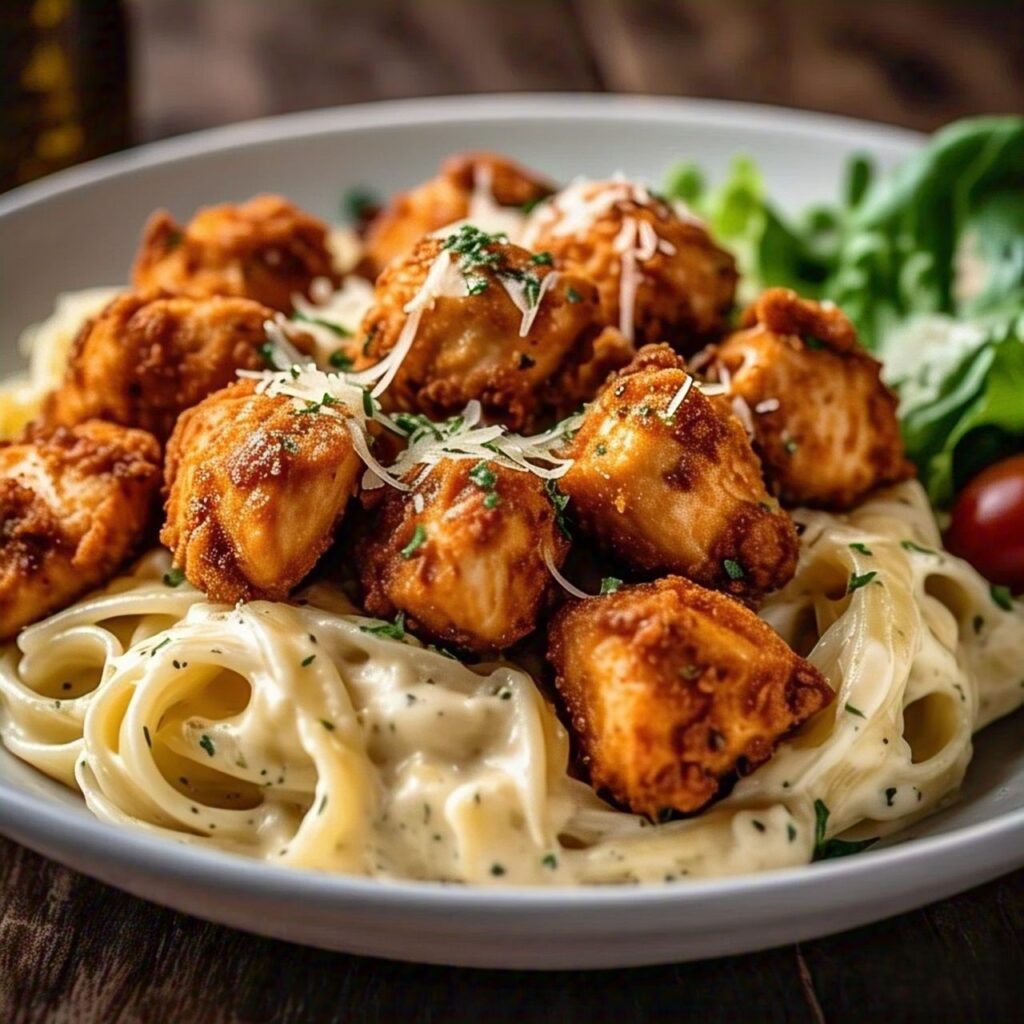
point(142, 361)
point(256, 490)
point(74, 505)
point(467, 184)
point(477, 318)
point(469, 569)
point(265, 249)
point(671, 689)
point(660, 275)
point(823, 422)
point(665, 478)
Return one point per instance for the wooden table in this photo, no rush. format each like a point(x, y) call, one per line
point(74, 950)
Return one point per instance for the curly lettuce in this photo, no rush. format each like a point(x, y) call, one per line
point(928, 261)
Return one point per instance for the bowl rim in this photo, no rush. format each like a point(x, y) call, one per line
point(44, 824)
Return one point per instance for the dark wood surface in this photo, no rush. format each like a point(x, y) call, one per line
point(74, 950)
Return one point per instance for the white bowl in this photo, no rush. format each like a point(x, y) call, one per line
point(80, 228)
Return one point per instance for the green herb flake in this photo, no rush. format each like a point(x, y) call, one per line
point(306, 662)
point(419, 538)
point(493, 500)
point(483, 476)
point(267, 351)
point(163, 643)
point(733, 569)
point(560, 501)
point(337, 329)
point(855, 711)
point(791, 831)
point(1002, 597)
point(497, 870)
point(549, 860)
point(909, 545)
point(601, 449)
point(543, 259)
point(340, 360)
point(392, 630)
point(690, 671)
point(813, 343)
point(861, 580)
point(175, 577)
point(790, 445)
point(329, 726)
point(572, 295)
point(861, 548)
point(207, 744)
point(890, 793)
point(759, 825)
point(832, 848)
point(359, 203)
point(610, 584)
point(149, 739)
point(367, 403)
point(323, 804)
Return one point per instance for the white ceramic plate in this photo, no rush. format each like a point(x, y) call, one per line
point(80, 228)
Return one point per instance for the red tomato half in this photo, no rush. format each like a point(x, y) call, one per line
point(987, 527)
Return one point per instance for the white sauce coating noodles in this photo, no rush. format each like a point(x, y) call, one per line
point(288, 732)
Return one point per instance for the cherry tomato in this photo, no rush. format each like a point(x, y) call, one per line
point(987, 526)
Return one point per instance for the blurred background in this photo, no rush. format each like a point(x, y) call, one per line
point(79, 78)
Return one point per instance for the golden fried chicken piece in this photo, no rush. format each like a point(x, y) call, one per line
point(660, 275)
point(74, 505)
point(486, 320)
point(470, 568)
point(142, 361)
point(670, 690)
point(680, 491)
point(824, 424)
point(265, 249)
point(256, 491)
point(468, 184)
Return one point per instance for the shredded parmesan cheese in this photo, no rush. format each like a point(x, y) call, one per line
point(560, 579)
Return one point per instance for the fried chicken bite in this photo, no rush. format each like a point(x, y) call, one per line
point(665, 479)
point(265, 249)
point(255, 492)
point(469, 569)
point(660, 275)
point(478, 318)
point(824, 424)
point(469, 185)
point(75, 503)
point(142, 361)
point(671, 690)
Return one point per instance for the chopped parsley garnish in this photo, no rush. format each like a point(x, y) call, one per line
point(392, 630)
point(610, 584)
point(601, 449)
point(813, 343)
point(267, 351)
point(149, 739)
point(493, 500)
point(890, 793)
point(978, 623)
point(308, 661)
point(359, 203)
point(861, 548)
point(476, 285)
point(531, 204)
point(733, 569)
point(1002, 597)
point(483, 476)
point(290, 445)
point(367, 403)
point(329, 726)
point(909, 545)
point(831, 848)
point(572, 295)
point(497, 870)
point(791, 831)
point(338, 329)
point(549, 860)
point(855, 711)
point(543, 259)
point(861, 580)
point(759, 825)
point(559, 501)
point(207, 744)
point(419, 538)
point(323, 804)
point(340, 360)
point(175, 577)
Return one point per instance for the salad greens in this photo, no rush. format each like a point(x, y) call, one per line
point(928, 261)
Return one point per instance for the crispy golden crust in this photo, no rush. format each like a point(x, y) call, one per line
point(470, 347)
point(74, 505)
point(142, 361)
point(443, 200)
point(255, 492)
point(474, 575)
point(671, 689)
point(681, 495)
point(683, 295)
point(825, 425)
point(265, 249)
